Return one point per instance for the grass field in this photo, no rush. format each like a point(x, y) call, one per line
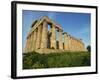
point(35, 60)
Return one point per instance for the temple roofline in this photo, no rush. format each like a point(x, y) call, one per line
point(41, 20)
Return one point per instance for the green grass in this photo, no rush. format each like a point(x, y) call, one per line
point(35, 60)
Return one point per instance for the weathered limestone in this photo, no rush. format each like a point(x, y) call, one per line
point(34, 40)
point(60, 40)
point(71, 43)
point(26, 47)
point(44, 35)
point(53, 37)
point(41, 38)
point(30, 43)
point(38, 37)
point(66, 41)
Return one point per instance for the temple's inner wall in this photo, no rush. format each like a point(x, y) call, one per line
point(40, 37)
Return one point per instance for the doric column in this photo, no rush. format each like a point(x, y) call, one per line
point(66, 41)
point(29, 45)
point(72, 41)
point(74, 48)
point(78, 46)
point(34, 40)
point(60, 40)
point(53, 37)
point(71, 44)
point(26, 46)
point(44, 35)
point(38, 37)
point(32, 37)
point(75, 45)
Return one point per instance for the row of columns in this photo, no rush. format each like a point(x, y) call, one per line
point(39, 39)
point(72, 44)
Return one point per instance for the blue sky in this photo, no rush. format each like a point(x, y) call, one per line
point(76, 24)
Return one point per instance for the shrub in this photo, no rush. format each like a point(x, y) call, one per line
point(55, 60)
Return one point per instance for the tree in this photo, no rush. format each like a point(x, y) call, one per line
point(89, 48)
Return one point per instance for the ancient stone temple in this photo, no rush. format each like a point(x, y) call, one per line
point(40, 37)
